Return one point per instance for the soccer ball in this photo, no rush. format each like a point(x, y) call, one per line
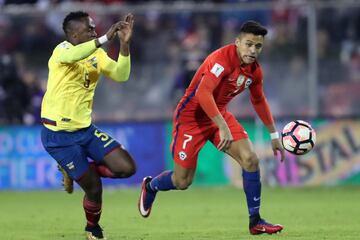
point(298, 137)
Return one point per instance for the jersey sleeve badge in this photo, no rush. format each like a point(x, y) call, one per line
point(217, 69)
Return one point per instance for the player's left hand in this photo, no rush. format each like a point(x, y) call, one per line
point(126, 29)
point(277, 147)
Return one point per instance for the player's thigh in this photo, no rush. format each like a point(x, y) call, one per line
point(241, 148)
point(187, 141)
point(120, 162)
point(237, 130)
point(66, 151)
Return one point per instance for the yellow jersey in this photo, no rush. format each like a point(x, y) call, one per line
point(74, 72)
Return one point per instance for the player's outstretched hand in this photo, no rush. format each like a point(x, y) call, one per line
point(111, 33)
point(277, 147)
point(126, 28)
point(226, 138)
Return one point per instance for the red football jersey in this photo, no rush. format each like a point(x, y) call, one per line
point(222, 75)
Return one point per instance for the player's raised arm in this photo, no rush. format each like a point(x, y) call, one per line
point(120, 71)
point(125, 33)
point(78, 46)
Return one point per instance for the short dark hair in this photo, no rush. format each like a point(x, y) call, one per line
point(254, 28)
point(71, 17)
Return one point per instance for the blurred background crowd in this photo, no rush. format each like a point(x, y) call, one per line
point(311, 57)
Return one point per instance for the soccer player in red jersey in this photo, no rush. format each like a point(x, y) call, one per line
point(201, 115)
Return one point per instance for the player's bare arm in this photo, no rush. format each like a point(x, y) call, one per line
point(119, 71)
point(125, 33)
point(110, 34)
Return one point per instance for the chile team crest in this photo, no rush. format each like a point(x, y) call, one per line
point(240, 80)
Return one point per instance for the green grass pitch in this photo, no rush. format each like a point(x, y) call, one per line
point(198, 213)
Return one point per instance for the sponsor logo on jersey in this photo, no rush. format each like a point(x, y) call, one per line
point(182, 155)
point(65, 119)
point(217, 69)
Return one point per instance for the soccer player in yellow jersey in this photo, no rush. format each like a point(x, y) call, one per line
point(68, 134)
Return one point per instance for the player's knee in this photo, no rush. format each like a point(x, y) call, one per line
point(130, 170)
point(250, 162)
point(183, 183)
point(125, 171)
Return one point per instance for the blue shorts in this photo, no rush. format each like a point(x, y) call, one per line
point(72, 149)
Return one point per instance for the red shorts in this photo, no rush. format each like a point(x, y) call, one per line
point(190, 136)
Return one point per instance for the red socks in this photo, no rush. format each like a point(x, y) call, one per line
point(92, 212)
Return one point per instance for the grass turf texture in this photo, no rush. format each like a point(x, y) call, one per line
point(198, 213)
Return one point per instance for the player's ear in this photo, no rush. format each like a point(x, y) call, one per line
point(237, 42)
